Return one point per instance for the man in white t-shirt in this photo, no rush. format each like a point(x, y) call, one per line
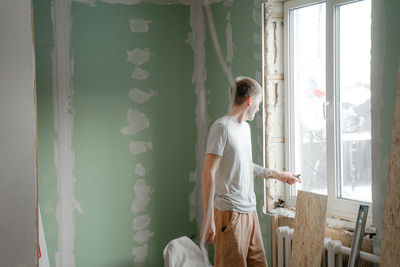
point(234, 226)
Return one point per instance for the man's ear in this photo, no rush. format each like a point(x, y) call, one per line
point(249, 101)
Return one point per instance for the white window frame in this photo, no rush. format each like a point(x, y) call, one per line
point(336, 206)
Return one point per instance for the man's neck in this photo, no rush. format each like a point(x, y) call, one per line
point(238, 113)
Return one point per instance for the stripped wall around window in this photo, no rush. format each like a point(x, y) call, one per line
point(274, 98)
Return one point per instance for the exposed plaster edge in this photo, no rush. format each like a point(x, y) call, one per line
point(197, 23)
point(63, 124)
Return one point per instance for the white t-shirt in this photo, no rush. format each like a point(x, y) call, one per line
point(234, 182)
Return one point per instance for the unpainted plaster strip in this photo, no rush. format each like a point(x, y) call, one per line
point(197, 23)
point(64, 120)
point(229, 43)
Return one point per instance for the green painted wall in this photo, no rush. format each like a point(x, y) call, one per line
point(104, 166)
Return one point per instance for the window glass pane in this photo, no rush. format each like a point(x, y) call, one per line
point(308, 84)
point(355, 100)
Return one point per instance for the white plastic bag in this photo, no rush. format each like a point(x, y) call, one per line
point(183, 252)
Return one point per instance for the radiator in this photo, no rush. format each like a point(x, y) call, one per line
point(332, 253)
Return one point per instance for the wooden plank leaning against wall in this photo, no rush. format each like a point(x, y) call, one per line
point(390, 255)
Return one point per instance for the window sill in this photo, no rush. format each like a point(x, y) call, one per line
point(331, 221)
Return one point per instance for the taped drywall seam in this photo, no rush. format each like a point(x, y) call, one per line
point(229, 43)
point(64, 119)
point(197, 23)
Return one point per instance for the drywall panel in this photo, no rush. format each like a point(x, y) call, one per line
point(18, 235)
point(132, 79)
point(309, 229)
point(129, 119)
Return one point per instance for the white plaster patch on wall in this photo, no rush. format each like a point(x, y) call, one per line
point(257, 4)
point(139, 96)
point(91, 3)
point(142, 196)
point(259, 120)
point(139, 24)
point(229, 42)
point(140, 170)
point(260, 162)
point(138, 56)
point(259, 142)
point(257, 56)
point(197, 23)
point(139, 74)
point(257, 17)
point(140, 253)
point(228, 3)
point(259, 77)
point(190, 39)
point(137, 121)
point(138, 147)
point(257, 38)
point(143, 236)
point(141, 222)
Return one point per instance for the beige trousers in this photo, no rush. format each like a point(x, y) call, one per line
point(238, 240)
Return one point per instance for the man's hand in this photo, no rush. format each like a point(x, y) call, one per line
point(287, 177)
point(210, 234)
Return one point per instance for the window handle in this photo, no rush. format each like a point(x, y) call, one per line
point(324, 108)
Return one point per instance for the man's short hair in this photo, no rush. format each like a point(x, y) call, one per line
point(245, 87)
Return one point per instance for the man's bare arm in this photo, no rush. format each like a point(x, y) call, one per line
point(262, 173)
point(211, 163)
point(265, 173)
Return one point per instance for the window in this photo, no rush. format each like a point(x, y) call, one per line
point(328, 100)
